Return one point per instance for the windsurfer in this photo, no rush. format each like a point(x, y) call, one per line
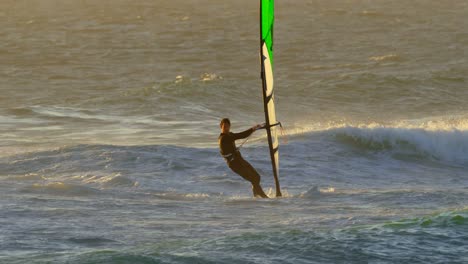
point(233, 157)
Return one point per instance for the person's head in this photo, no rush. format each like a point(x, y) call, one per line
point(225, 125)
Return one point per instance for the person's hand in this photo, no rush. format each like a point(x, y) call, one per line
point(258, 126)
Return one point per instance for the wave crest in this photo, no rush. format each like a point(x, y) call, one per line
point(443, 145)
point(443, 139)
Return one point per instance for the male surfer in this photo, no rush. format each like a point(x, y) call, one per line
point(233, 157)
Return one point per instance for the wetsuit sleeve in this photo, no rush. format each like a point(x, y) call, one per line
point(243, 134)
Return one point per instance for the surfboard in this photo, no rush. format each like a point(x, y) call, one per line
point(267, 19)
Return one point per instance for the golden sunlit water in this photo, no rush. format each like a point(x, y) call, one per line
point(109, 119)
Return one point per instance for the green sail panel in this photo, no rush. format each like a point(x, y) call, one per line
point(267, 19)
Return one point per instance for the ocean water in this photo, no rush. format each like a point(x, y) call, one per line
point(109, 114)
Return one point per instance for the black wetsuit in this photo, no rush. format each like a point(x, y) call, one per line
point(235, 161)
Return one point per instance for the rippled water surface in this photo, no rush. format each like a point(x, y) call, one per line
point(109, 114)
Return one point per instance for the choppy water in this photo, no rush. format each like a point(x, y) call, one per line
point(109, 115)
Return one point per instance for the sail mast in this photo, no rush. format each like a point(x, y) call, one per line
point(267, 18)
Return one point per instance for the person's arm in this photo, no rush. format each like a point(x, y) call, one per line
point(247, 132)
point(243, 134)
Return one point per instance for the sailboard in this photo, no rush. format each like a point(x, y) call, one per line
point(267, 19)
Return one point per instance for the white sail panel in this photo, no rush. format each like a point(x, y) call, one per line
point(270, 107)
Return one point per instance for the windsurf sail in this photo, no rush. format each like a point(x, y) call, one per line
point(267, 19)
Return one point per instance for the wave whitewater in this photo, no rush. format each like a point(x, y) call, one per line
point(444, 139)
point(447, 146)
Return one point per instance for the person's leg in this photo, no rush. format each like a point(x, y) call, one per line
point(257, 188)
point(244, 169)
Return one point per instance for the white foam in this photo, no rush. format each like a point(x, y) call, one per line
point(197, 195)
point(210, 77)
point(115, 179)
point(316, 191)
point(447, 145)
point(271, 192)
point(444, 138)
point(389, 57)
